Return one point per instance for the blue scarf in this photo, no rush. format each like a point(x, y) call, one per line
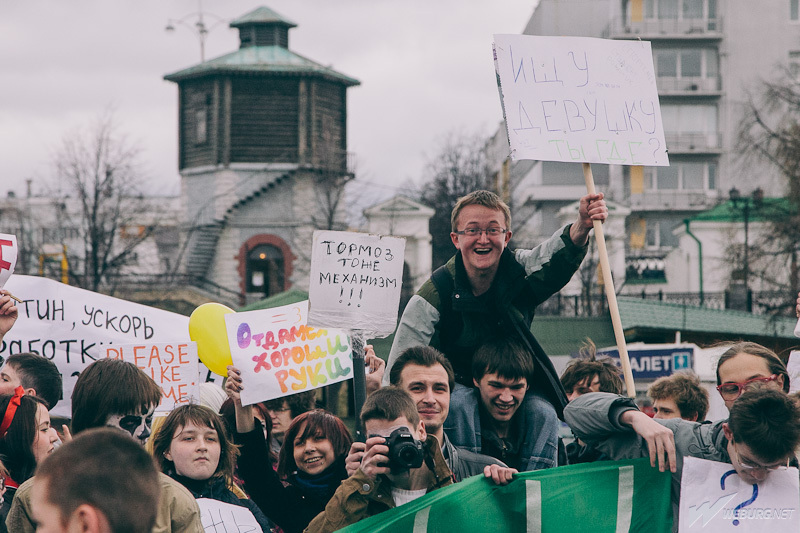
point(320, 486)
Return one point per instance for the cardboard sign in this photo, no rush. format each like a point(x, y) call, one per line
point(580, 99)
point(714, 498)
point(219, 517)
point(279, 354)
point(8, 256)
point(356, 280)
point(174, 366)
point(72, 327)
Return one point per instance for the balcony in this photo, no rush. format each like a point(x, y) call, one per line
point(681, 29)
point(672, 200)
point(694, 86)
point(693, 143)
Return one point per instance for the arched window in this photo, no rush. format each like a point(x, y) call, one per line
point(265, 270)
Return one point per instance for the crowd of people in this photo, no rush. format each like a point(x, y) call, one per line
point(466, 390)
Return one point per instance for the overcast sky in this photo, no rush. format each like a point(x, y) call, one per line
point(425, 69)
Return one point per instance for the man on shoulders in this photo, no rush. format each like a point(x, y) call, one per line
point(487, 291)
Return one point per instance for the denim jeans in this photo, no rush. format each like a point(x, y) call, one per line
point(539, 448)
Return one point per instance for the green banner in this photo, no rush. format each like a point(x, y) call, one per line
point(603, 497)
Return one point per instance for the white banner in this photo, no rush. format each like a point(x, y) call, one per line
point(219, 517)
point(714, 498)
point(72, 327)
point(8, 256)
point(580, 99)
point(356, 280)
point(174, 366)
point(279, 354)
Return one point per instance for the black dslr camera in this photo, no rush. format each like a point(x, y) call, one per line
point(405, 452)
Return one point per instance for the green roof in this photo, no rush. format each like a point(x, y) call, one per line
point(262, 60)
point(262, 15)
point(564, 335)
point(638, 313)
point(770, 209)
point(276, 300)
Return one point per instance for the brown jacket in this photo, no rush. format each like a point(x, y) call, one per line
point(177, 509)
point(360, 497)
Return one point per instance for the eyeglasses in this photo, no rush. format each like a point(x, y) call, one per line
point(731, 391)
point(750, 466)
point(475, 232)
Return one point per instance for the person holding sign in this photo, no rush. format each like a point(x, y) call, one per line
point(761, 434)
point(311, 460)
point(193, 448)
point(487, 291)
point(8, 313)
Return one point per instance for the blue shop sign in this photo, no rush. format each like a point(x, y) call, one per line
point(655, 363)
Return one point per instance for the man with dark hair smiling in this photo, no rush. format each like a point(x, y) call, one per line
point(486, 420)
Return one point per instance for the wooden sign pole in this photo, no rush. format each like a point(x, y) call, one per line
point(608, 282)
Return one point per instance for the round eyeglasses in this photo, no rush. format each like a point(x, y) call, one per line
point(475, 232)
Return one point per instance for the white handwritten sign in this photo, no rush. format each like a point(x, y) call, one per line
point(580, 99)
point(174, 366)
point(356, 280)
point(72, 327)
point(221, 517)
point(714, 498)
point(8, 256)
point(279, 354)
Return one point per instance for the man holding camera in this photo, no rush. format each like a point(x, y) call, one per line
point(401, 463)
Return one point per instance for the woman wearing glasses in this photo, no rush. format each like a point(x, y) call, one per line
point(747, 365)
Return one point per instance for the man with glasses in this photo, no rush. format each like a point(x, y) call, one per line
point(487, 291)
point(761, 434)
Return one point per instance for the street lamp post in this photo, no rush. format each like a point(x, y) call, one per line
point(199, 27)
point(746, 203)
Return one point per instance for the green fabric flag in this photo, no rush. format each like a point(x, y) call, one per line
point(603, 497)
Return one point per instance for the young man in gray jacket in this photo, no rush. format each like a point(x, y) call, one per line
point(761, 434)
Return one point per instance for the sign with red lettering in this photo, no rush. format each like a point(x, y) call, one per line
point(72, 327)
point(174, 366)
point(279, 354)
point(8, 256)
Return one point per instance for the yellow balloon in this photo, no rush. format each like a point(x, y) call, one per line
point(207, 329)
